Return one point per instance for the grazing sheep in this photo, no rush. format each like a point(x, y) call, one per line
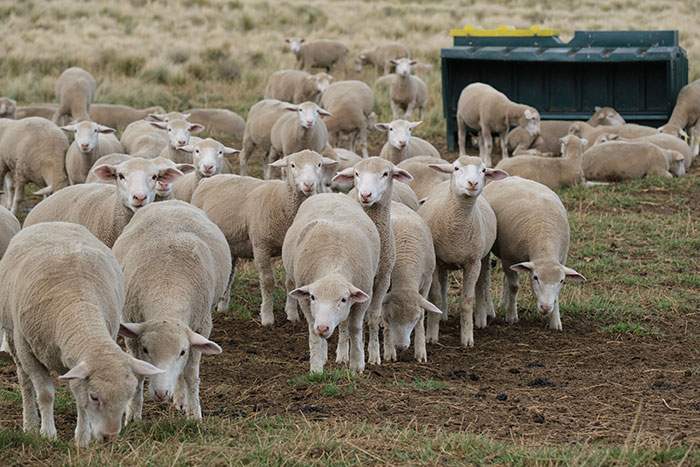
point(8, 108)
point(381, 56)
point(628, 130)
point(222, 122)
point(91, 141)
point(36, 110)
point(401, 145)
point(179, 136)
point(532, 237)
point(663, 140)
point(321, 53)
point(168, 316)
point(618, 160)
point(463, 226)
point(261, 117)
point(424, 178)
point(208, 157)
point(75, 91)
point(489, 111)
point(32, 150)
point(70, 327)
point(296, 86)
point(141, 139)
point(264, 210)
point(374, 182)
point(119, 116)
point(554, 172)
point(686, 115)
point(105, 209)
point(330, 255)
point(411, 278)
point(407, 92)
point(351, 103)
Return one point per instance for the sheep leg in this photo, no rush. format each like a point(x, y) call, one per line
point(695, 139)
point(462, 135)
point(483, 287)
point(193, 409)
point(389, 349)
point(363, 139)
point(135, 406)
point(261, 258)
point(374, 316)
point(30, 416)
point(244, 156)
point(19, 194)
point(485, 146)
point(7, 185)
point(224, 301)
point(43, 386)
point(420, 113)
point(357, 346)
point(290, 305)
point(82, 427)
point(395, 109)
point(342, 351)
point(470, 273)
point(409, 110)
point(504, 144)
point(509, 295)
point(554, 317)
point(269, 171)
point(419, 351)
point(316, 356)
point(435, 297)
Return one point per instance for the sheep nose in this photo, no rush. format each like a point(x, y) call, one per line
point(208, 168)
point(473, 184)
point(162, 395)
point(309, 186)
point(309, 122)
point(322, 330)
point(402, 144)
point(163, 186)
point(401, 347)
point(84, 146)
point(544, 309)
point(181, 142)
point(140, 197)
point(365, 196)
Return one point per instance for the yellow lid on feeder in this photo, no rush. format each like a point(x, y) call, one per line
point(503, 31)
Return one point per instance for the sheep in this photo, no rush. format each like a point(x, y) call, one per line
point(424, 178)
point(401, 194)
point(663, 140)
point(407, 92)
point(36, 110)
point(8, 108)
point(532, 237)
point(70, 327)
point(119, 116)
point(374, 182)
point(554, 172)
point(105, 209)
point(401, 145)
point(331, 255)
point(91, 142)
point(178, 135)
point(618, 160)
point(321, 53)
point(411, 278)
point(209, 157)
point(264, 211)
point(32, 150)
point(75, 91)
point(489, 111)
point(463, 226)
point(591, 134)
point(141, 139)
point(296, 132)
point(351, 103)
point(168, 322)
point(218, 121)
point(686, 115)
point(296, 86)
point(9, 227)
point(381, 56)
point(261, 117)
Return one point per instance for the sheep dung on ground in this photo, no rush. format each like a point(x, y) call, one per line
point(208, 157)
point(351, 103)
point(75, 91)
point(401, 145)
point(320, 53)
point(424, 177)
point(619, 160)
point(381, 56)
point(261, 117)
point(91, 141)
point(686, 115)
point(296, 86)
point(407, 92)
point(8, 108)
point(119, 116)
point(141, 139)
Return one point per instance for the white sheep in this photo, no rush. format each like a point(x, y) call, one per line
point(686, 115)
point(261, 117)
point(168, 317)
point(401, 193)
point(91, 141)
point(69, 328)
point(32, 150)
point(178, 131)
point(141, 139)
point(407, 92)
point(351, 103)
point(119, 116)
point(619, 160)
point(401, 145)
point(75, 91)
point(8, 108)
point(330, 256)
point(629, 130)
point(218, 121)
point(489, 111)
point(296, 86)
point(105, 209)
point(463, 226)
point(374, 182)
point(424, 178)
point(381, 56)
point(208, 157)
point(264, 210)
point(532, 237)
point(663, 140)
point(554, 172)
point(321, 53)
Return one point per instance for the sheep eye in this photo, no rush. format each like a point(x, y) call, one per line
point(94, 397)
point(385, 174)
point(391, 129)
point(313, 298)
point(561, 281)
point(145, 350)
point(535, 278)
point(293, 166)
point(319, 164)
point(121, 176)
point(197, 151)
point(483, 170)
point(170, 129)
point(343, 299)
point(456, 169)
point(182, 354)
point(154, 177)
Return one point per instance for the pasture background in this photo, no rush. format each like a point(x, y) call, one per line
point(621, 383)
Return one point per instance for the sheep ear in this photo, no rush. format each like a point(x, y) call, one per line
point(44, 191)
point(324, 112)
point(160, 124)
point(358, 295)
point(382, 126)
point(427, 306)
point(496, 174)
point(679, 156)
point(573, 275)
point(130, 330)
point(414, 62)
point(346, 175)
point(186, 116)
point(300, 293)
point(528, 114)
point(564, 141)
point(444, 168)
point(155, 118)
point(189, 148)
point(422, 201)
point(401, 175)
point(68, 127)
point(279, 163)
point(301, 41)
point(527, 266)
point(584, 141)
point(185, 168)
point(144, 368)
point(230, 150)
point(287, 40)
point(201, 343)
point(169, 175)
point(106, 172)
point(393, 62)
point(291, 107)
point(328, 162)
point(105, 129)
point(412, 125)
point(79, 371)
point(598, 108)
point(683, 133)
point(196, 127)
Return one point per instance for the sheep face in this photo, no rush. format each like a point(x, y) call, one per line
point(360, 62)
point(329, 300)
point(399, 132)
point(322, 81)
point(403, 66)
point(308, 113)
point(294, 44)
point(575, 141)
point(530, 120)
point(87, 134)
point(676, 162)
point(8, 108)
point(179, 131)
point(208, 156)
point(304, 169)
point(401, 311)
point(546, 278)
point(373, 178)
point(607, 116)
point(164, 189)
point(468, 175)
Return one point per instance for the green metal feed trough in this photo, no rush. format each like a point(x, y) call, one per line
point(639, 73)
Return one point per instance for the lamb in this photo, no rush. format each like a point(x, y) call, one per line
point(591, 134)
point(297, 131)
point(36, 110)
point(411, 278)
point(218, 121)
point(264, 211)
point(374, 181)
point(91, 142)
point(75, 91)
point(70, 328)
point(619, 160)
point(463, 226)
point(261, 117)
point(178, 135)
point(686, 115)
point(169, 321)
point(351, 103)
point(401, 145)
point(330, 255)
point(119, 116)
point(489, 111)
point(407, 92)
point(8, 108)
point(296, 86)
point(381, 56)
point(209, 157)
point(140, 139)
point(105, 209)
point(554, 172)
point(321, 53)
point(32, 150)
point(424, 178)
point(663, 140)
point(532, 237)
